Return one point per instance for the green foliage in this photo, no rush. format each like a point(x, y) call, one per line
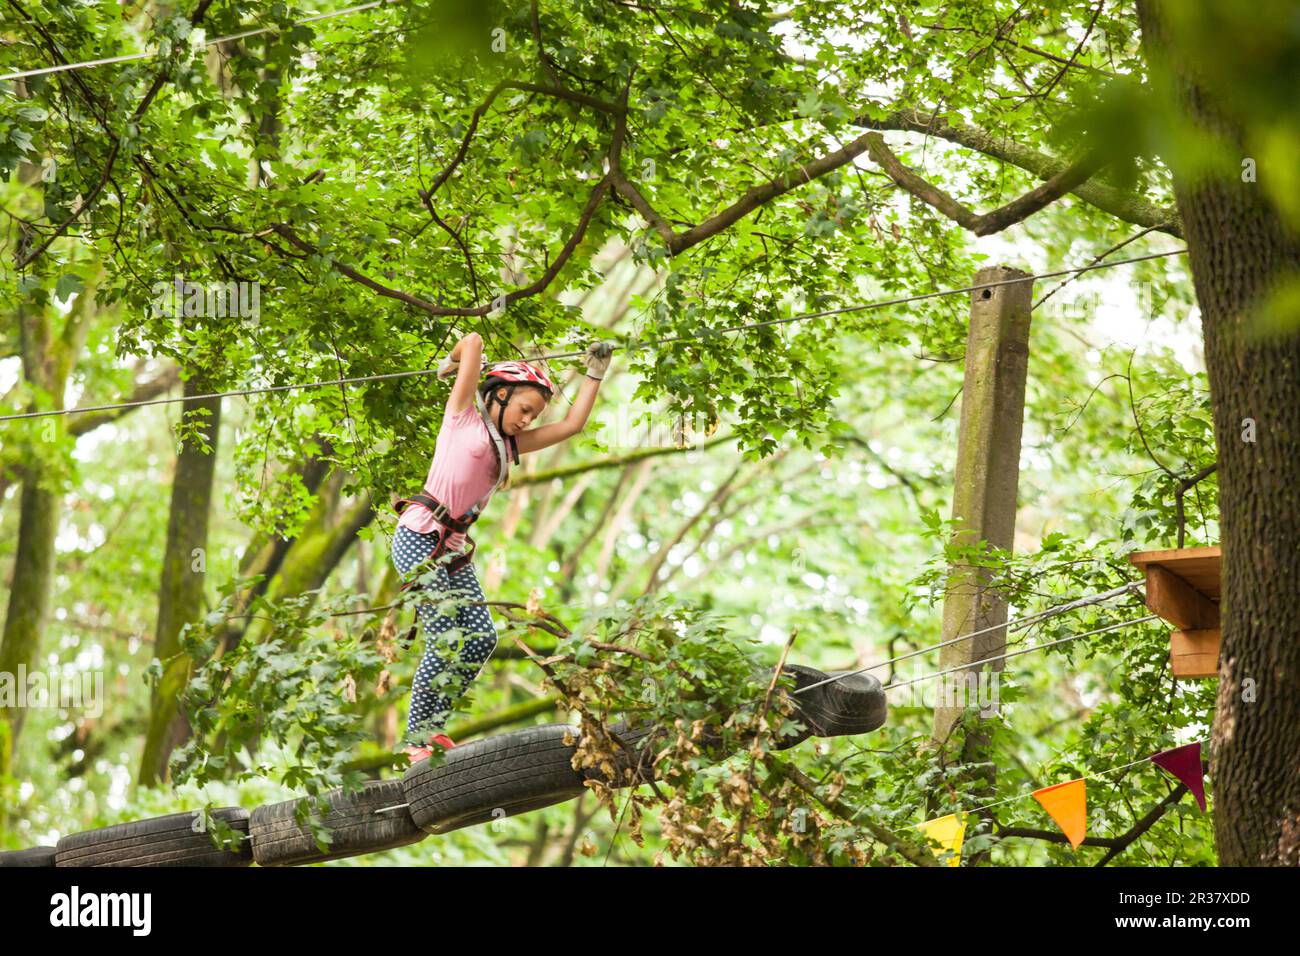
point(718, 788)
point(339, 129)
point(297, 689)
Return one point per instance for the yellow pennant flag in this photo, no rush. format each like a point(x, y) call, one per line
point(948, 831)
point(1067, 804)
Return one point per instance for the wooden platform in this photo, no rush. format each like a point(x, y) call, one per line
point(1183, 587)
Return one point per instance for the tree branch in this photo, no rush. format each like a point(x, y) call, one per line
point(1116, 845)
point(135, 118)
point(159, 385)
point(541, 48)
point(553, 91)
point(1108, 199)
point(747, 203)
point(998, 219)
point(917, 855)
point(593, 201)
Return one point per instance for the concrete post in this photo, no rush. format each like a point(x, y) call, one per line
point(988, 471)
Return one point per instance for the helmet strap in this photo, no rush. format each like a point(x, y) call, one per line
point(501, 415)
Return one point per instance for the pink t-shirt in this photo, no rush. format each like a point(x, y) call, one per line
point(464, 469)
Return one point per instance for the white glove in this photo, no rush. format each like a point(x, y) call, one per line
point(597, 359)
point(450, 368)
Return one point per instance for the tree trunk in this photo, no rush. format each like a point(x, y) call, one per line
point(47, 362)
point(1240, 251)
point(180, 593)
point(29, 601)
point(318, 548)
point(264, 554)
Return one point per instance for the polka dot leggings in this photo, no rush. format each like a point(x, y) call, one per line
point(466, 638)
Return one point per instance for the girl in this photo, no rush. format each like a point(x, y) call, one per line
point(485, 426)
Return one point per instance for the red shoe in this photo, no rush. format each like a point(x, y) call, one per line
point(416, 754)
point(443, 741)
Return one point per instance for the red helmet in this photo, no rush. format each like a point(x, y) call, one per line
point(521, 373)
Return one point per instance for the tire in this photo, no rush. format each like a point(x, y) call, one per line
point(160, 841)
point(36, 856)
point(502, 775)
point(854, 704)
point(279, 840)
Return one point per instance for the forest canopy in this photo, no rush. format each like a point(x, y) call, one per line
point(717, 188)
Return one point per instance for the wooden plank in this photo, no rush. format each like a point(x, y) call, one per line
point(1175, 555)
point(1199, 567)
point(1177, 601)
point(1183, 587)
point(1194, 654)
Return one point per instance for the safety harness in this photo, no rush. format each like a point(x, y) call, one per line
point(462, 524)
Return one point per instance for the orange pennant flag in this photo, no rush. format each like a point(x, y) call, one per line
point(1067, 804)
point(948, 832)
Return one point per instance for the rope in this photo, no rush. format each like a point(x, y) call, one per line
point(1021, 796)
point(910, 298)
point(1026, 650)
point(634, 347)
point(1017, 624)
point(234, 36)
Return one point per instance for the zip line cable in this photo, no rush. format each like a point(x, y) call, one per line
point(1016, 624)
point(234, 36)
point(1017, 653)
point(633, 347)
point(1023, 650)
point(1021, 622)
point(884, 302)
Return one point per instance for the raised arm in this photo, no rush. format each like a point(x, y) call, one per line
point(544, 436)
point(535, 439)
point(469, 354)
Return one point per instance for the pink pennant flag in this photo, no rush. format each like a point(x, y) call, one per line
point(1185, 763)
